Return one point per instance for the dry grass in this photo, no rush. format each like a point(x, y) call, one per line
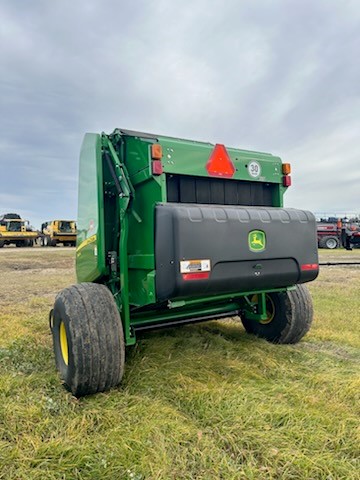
point(197, 402)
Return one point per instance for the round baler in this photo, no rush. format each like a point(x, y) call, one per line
point(174, 231)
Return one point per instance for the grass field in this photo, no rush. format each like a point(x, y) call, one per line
point(198, 402)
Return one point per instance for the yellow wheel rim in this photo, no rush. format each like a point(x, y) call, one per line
point(64, 343)
point(270, 309)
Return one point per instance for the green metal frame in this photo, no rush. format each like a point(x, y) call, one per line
point(115, 246)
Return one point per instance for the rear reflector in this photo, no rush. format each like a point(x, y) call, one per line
point(219, 163)
point(156, 151)
point(310, 266)
point(157, 168)
point(287, 181)
point(196, 276)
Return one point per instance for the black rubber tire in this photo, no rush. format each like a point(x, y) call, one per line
point(322, 243)
point(329, 242)
point(53, 243)
point(2, 243)
point(95, 339)
point(292, 319)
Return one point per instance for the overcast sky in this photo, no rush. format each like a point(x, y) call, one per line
point(276, 76)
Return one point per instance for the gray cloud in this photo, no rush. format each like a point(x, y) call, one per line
point(279, 76)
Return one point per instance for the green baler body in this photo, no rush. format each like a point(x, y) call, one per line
point(118, 196)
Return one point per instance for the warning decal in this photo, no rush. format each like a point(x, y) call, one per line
point(193, 266)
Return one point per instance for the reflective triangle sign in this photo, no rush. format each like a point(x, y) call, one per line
point(219, 163)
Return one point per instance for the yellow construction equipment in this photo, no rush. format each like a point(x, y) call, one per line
point(16, 231)
point(58, 231)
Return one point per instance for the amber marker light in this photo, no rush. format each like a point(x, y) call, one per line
point(286, 168)
point(156, 151)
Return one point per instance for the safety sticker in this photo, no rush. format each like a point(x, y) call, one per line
point(192, 266)
point(86, 242)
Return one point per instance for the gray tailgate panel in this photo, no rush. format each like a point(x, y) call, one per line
point(220, 234)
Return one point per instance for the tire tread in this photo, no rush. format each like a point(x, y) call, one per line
point(95, 329)
point(297, 308)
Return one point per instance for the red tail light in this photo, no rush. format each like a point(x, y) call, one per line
point(309, 266)
point(196, 276)
point(157, 168)
point(287, 181)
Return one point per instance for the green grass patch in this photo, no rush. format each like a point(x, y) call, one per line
point(204, 401)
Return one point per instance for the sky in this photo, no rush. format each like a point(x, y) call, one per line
point(278, 76)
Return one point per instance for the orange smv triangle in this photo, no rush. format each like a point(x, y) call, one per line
point(219, 163)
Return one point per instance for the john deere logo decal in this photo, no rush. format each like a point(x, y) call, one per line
point(257, 241)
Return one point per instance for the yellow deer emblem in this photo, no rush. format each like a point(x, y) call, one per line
point(257, 240)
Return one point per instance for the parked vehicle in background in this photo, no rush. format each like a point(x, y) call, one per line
point(334, 232)
point(58, 231)
point(329, 233)
point(16, 231)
